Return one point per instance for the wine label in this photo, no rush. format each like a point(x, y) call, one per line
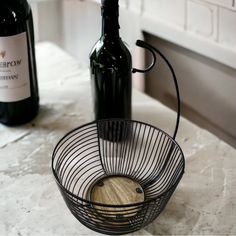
point(14, 68)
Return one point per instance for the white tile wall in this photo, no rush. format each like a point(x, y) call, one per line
point(47, 20)
point(136, 6)
point(223, 3)
point(123, 3)
point(204, 26)
point(168, 11)
point(202, 18)
point(227, 28)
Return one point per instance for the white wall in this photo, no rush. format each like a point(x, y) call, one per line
point(82, 26)
point(48, 21)
point(207, 88)
point(204, 26)
point(199, 38)
point(200, 34)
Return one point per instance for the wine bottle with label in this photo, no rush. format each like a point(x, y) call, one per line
point(111, 68)
point(19, 99)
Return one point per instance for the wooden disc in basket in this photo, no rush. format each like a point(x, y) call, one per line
point(118, 191)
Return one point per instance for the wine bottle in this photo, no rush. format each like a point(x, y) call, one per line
point(19, 99)
point(111, 68)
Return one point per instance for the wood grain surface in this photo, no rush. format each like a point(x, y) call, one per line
point(117, 191)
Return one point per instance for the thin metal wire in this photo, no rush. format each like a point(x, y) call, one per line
point(154, 50)
point(117, 148)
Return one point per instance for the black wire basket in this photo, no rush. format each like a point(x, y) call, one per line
point(116, 176)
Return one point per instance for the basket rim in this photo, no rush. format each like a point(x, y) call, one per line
point(110, 205)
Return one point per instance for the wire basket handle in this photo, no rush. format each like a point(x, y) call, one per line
point(155, 51)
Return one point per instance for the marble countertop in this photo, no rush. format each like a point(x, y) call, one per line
point(204, 203)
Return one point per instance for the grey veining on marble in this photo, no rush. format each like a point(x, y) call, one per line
point(30, 203)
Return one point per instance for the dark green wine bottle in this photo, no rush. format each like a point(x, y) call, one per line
point(19, 99)
point(111, 68)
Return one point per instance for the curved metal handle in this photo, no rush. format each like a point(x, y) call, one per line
point(144, 45)
point(154, 50)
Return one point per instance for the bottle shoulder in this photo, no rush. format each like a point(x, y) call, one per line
point(110, 49)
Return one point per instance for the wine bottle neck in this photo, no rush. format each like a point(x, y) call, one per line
point(110, 21)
